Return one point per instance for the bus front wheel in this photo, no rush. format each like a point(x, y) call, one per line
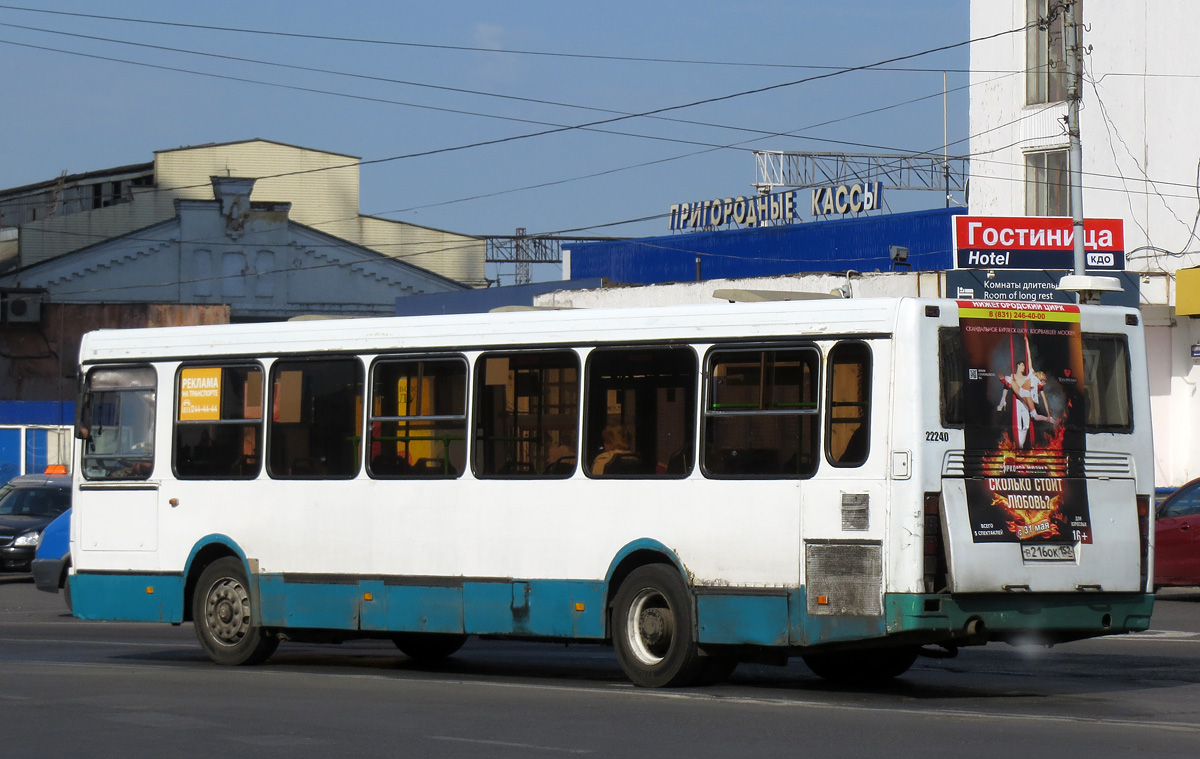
point(654, 629)
point(221, 612)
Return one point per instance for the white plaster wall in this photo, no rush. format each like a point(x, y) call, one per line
point(1141, 101)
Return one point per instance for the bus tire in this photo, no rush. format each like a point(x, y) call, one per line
point(716, 669)
point(427, 647)
point(223, 619)
point(654, 628)
point(66, 586)
point(862, 666)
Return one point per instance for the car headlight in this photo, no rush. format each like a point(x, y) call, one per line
point(32, 539)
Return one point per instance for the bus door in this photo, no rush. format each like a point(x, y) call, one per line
point(118, 504)
point(1027, 506)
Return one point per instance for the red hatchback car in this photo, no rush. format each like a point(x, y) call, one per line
point(1177, 538)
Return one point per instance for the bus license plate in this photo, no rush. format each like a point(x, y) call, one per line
point(1048, 552)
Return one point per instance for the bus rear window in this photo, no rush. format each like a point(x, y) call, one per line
point(1106, 383)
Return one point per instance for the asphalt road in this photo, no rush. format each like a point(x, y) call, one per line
point(71, 687)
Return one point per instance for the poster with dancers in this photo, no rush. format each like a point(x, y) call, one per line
point(1024, 425)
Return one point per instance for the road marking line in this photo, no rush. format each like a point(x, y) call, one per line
point(110, 643)
point(623, 690)
point(506, 744)
point(1178, 636)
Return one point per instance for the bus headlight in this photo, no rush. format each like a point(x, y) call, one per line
point(29, 539)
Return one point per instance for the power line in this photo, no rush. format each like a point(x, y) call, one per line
point(461, 48)
point(587, 125)
point(481, 93)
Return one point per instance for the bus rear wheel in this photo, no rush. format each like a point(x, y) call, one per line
point(426, 647)
point(224, 623)
point(654, 629)
point(862, 666)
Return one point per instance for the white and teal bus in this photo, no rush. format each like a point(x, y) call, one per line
point(855, 482)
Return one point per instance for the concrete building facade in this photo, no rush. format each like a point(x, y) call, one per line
point(251, 256)
point(1141, 162)
point(48, 219)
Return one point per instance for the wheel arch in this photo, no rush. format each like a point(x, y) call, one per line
point(65, 572)
point(636, 554)
point(207, 550)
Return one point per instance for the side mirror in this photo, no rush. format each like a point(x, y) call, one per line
point(83, 417)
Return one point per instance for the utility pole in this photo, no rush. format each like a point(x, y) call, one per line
point(1072, 35)
point(1088, 289)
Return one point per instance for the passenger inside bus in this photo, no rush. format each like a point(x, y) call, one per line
point(617, 456)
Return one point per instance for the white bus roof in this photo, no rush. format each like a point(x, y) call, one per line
point(700, 323)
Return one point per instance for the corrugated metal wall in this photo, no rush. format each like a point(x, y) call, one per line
point(857, 244)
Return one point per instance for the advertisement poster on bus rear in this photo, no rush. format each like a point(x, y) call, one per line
point(1024, 418)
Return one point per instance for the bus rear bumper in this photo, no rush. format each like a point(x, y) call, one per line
point(1036, 618)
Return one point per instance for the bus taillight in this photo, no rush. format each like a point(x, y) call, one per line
point(935, 545)
point(1143, 512)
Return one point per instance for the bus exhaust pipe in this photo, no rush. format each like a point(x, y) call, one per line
point(976, 631)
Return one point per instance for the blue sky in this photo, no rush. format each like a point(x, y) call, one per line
point(65, 112)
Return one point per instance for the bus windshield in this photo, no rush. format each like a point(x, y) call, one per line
point(118, 426)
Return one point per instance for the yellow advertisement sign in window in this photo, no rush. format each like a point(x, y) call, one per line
point(200, 395)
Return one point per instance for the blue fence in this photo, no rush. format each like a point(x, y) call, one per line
point(34, 435)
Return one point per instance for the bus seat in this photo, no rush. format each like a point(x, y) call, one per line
point(623, 463)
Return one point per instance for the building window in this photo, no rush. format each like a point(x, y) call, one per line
point(1047, 185)
point(1046, 79)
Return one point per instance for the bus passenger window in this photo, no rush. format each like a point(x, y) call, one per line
point(848, 417)
point(760, 417)
point(526, 414)
point(117, 424)
point(316, 419)
point(640, 412)
point(418, 420)
point(218, 422)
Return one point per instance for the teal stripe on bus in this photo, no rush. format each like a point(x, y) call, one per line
point(127, 597)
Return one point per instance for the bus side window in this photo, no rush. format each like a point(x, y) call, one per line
point(218, 422)
point(848, 420)
point(640, 412)
point(117, 423)
point(316, 419)
point(761, 413)
point(418, 420)
point(952, 371)
point(526, 414)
